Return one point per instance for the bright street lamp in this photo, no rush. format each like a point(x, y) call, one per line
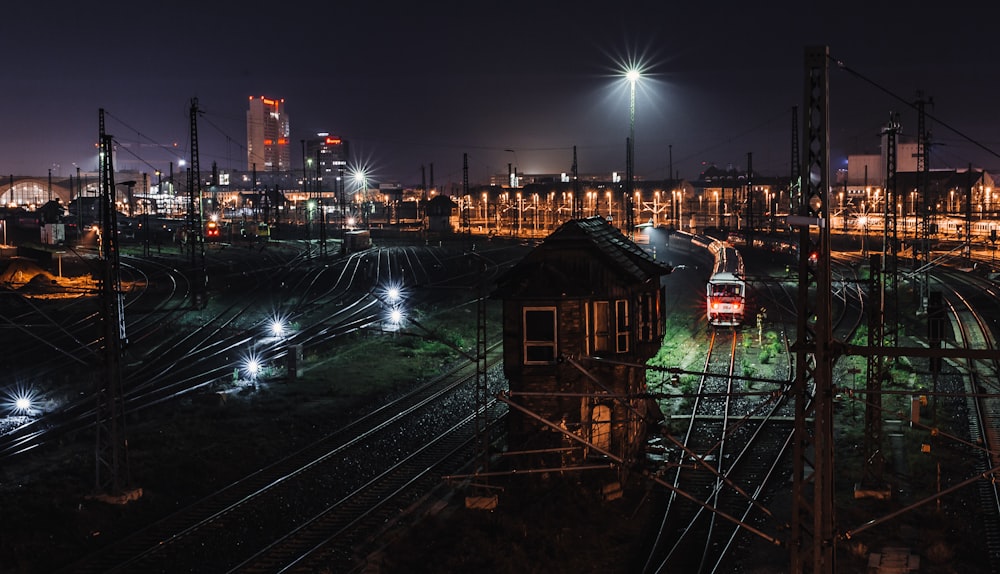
point(632, 75)
point(361, 180)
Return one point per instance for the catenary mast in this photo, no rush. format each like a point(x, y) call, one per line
point(812, 544)
point(112, 472)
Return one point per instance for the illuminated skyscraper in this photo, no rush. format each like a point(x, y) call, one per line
point(268, 146)
point(326, 159)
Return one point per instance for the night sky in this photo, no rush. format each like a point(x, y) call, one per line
point(411, 84)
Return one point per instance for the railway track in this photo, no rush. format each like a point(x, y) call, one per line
point(716, 464)
point(335, 298)
point(312, 494)
point(982, 397)
point(743, 429)
point(331, 301)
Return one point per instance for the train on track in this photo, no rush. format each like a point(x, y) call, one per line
point(725, 291)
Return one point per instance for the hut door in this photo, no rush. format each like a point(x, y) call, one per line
point(600, 427)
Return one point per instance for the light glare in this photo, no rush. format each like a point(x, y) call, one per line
point(21, 400)
point(396, 316)
point(252, 367)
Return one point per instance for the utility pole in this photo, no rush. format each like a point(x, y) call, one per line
point(466, 222)
point(752, 220)
point(112, 472)
point(319, 207)
point(813, 544)
point(305, 192)
point(196, 225)
point(890, 236)
point(794, 183)
point(577, 200)
point(670, 163)
point(79, 206)
point(629, 226)
point(923, 175)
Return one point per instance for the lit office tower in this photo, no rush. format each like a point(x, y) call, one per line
point(268, 147)
point(326, 159)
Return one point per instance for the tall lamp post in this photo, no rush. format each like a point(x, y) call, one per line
point(632, 75)
point(361, 178)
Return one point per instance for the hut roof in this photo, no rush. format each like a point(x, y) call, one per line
point(549, 271)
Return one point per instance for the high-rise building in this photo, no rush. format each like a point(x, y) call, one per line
point(268, 144)
point(326, 159)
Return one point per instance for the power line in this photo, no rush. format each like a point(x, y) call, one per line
point(840, 64)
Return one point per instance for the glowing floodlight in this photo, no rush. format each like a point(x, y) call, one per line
point(396, 316)
point(277, 326)
point(392, 293)
point(21, 400)
point(252, 367)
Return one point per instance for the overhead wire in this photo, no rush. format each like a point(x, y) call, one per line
point(840, 64)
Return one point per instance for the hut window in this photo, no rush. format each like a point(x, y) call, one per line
point(611, 326)
point(600, 427)
point(621, 326)
point(647, 317)
point(602, 326)
point(539, 335)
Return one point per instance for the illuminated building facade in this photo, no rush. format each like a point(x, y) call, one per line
point(268, 144)
point(326, 160)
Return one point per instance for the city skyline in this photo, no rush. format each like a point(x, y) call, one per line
point(413, 88)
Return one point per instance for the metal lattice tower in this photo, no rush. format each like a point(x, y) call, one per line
point(320, 208)
point(483, 395)
point(923, 185)
point(882, 323)
point(752, 219)
point(577, 200)
point(874, 460)
point(466, 200)
point(195, 222)
point(889, 294)
point(794, 183)
point(112, 473)
point(812, 526)
point(629, 227)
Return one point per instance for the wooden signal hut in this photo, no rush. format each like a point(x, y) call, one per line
point(582, 312)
